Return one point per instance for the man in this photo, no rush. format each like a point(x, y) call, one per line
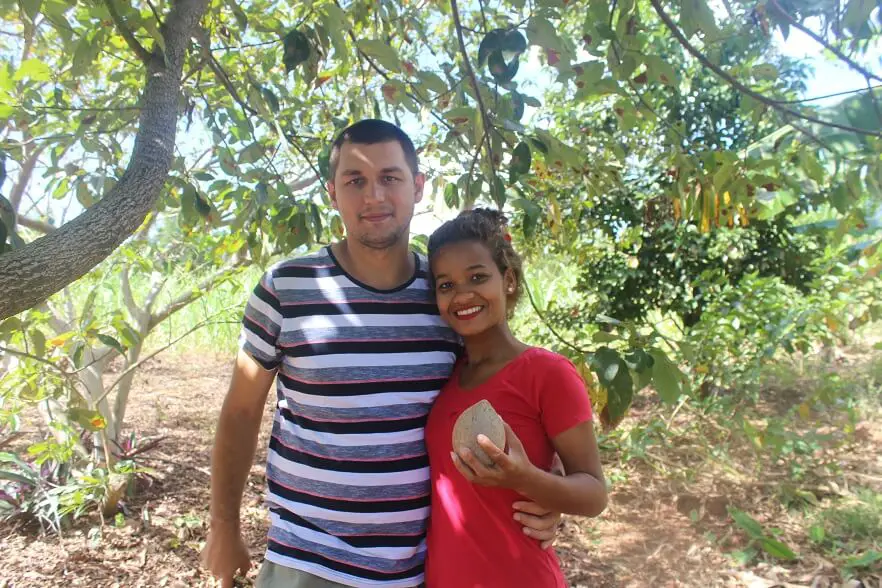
point(354, 337)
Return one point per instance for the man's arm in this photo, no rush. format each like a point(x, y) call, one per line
point(234, 446)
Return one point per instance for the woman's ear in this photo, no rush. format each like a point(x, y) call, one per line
point(510, 282)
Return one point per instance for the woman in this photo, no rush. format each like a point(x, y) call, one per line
point(474, 539)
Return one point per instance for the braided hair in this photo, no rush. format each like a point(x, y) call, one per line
point(489, 228)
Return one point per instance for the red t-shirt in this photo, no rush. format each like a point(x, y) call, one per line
point(474, 541)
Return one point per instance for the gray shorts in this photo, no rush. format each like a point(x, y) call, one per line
point(275, 576)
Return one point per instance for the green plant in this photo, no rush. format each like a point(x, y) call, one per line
point(760, 537)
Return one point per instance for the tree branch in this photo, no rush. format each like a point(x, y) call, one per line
point(678, 34)
point(34, 272)
point(24, 176)
point(834, 95)
point(547, 323)
point(35, 225)
point(129, 37)
point(83, 108)
point(821, 41)
point(138, 364)
point(192, 294)
point(485, 120)
point(128, 297)
point(156, 286)
point(202, 37)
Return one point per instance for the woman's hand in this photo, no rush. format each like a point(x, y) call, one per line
point(510, 470)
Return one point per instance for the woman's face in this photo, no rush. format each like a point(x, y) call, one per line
point(471, 292)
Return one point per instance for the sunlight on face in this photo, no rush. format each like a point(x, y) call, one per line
point(375, 192)
point(469, 288)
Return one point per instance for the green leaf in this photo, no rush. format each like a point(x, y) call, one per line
point(316, 215)
point(394, 91)
point(31, 7)
point(38, 342)
point(203, 206)
point(491, 43)
point(77, 357)
point(324, 164)
point(513, 42)
point(661, 71)
point(811, 166)
point(777, 549)
point(857, 14)
point(864, 561)
point(7, 213)
point(695, 15)
point(84, 55)
point(542, 33)
point(520, 161)
point(451, 196)
point(251, 154)
point(498, 192)
point(297, 50)
point(614, 376)
point(111, 342)
point(432, 81)
point(384, 53)
point(34, 70)
point(152, 28)
point(337, 24)
point(501, 71)
point(238, 14)
point(666, 376)
point(84, 196)
point(16, 477)
point(765, 71)
point(90, 420)
point(532, 212)
point(817, 533)
point(748, 524)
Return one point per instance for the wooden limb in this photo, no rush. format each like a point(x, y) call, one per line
point(24, 175)
point(30, 274)
point(35, 225)
point(190, 295)
point(127, 34)
point(485, 115)
point(681, 38)
point(823, 42)
point(138, 364)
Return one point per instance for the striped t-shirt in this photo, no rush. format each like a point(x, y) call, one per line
point(358, 369)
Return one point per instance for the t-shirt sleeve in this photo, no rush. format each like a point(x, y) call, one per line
point(563, 398)
point(262, 323)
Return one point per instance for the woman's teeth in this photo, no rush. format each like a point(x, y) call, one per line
point(468, 311)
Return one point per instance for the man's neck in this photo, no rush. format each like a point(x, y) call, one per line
point(383, 269)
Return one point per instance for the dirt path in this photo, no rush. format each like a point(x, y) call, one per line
point(654, 532)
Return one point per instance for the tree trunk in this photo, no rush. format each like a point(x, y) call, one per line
point(36, 271)
point(122, 391)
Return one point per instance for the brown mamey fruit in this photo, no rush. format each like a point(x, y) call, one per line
point(479, 419)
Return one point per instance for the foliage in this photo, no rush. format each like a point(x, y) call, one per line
point(664, 150)
point(761, 537)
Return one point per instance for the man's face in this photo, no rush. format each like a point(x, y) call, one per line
point(375, 192)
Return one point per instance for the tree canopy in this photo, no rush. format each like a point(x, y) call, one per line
point(104, 104)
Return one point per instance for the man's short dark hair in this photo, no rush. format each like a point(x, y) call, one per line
point(371, 131)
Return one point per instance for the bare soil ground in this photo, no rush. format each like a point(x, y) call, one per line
point(662, 527)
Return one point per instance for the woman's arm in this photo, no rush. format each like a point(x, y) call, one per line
point(582, 491)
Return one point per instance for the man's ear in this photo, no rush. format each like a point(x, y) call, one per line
point(419, 182)
point(332, 192)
